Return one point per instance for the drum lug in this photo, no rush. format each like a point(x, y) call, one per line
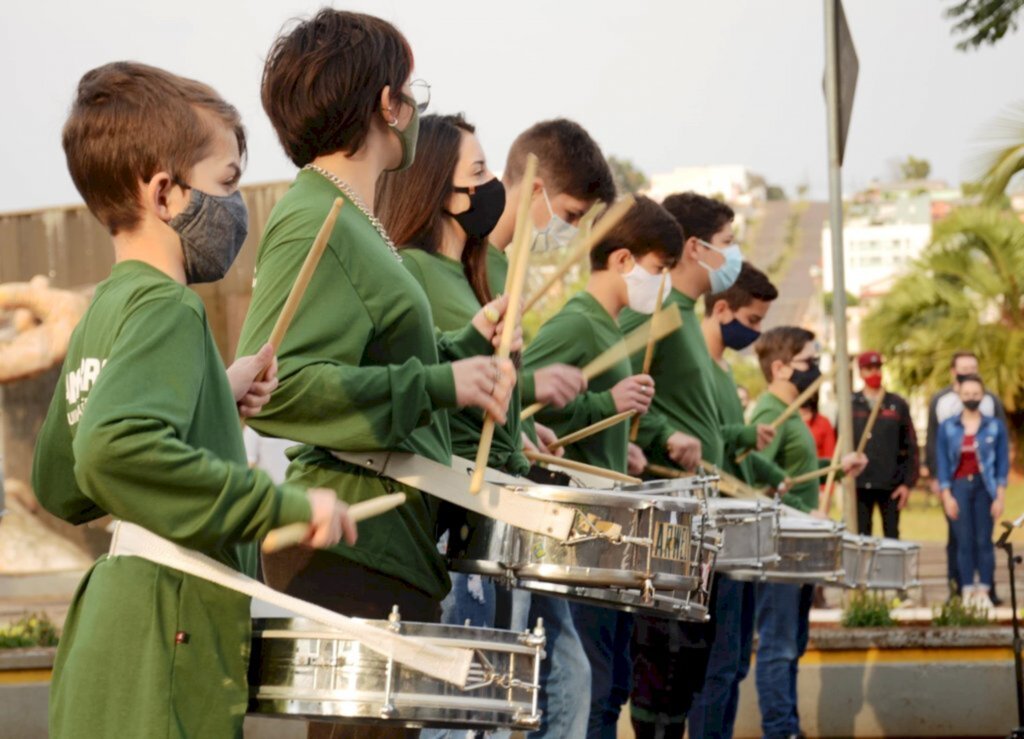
point(647, 591)
point(395, 620)
point(526, 721)
point(536, 637)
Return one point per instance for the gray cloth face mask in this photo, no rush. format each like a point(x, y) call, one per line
point(212, 229)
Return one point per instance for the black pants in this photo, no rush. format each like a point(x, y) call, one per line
point(867, 499)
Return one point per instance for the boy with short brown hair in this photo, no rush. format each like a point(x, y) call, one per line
point(144, 422)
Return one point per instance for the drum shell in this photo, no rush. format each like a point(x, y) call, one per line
point(588, 559)
point(858, 553)
point(810, 551)
point(300, 670)
point(688, 605)
point(750, 533)
point(895, 565)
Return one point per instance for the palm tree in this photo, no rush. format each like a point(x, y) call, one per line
point(966, 291)
point(1001, 156)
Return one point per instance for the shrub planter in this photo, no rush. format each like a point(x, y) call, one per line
point(900, 681)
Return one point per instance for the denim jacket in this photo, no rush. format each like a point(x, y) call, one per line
point(991, 446)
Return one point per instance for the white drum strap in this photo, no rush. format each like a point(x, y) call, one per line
point(498, 500)
point(443, 663)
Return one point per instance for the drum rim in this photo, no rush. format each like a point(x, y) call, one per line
point(612, 497)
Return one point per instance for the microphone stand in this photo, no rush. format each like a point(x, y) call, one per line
point(1012, 562)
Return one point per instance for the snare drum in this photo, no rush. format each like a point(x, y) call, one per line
point(894, 565)
point(688, 605)
point(620, 539)
point(299, 669)
point(858, 553)
point(810, 551)
point(750, 530)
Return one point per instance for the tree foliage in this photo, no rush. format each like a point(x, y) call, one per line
point(628, 177)
point(983, 21)
point(1001, 157)
point(913, 168)
point(965, 292)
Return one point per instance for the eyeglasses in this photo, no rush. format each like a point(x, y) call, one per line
point(420, 94)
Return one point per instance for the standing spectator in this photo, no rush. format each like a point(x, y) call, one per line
point(821, 428)
point(945, 404)
point(891, 450)
point(972, 460)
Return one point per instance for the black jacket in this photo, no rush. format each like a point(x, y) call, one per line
point(892, 447)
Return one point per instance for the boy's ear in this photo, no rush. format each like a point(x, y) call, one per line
point(778, 370)
point(156, 195)
point(690, 249)
point(719, 310)
point(618, 259)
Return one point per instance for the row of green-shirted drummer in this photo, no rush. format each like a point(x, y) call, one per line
point(392, 349)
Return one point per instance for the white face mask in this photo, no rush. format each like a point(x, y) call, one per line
point(556, 235)
point(642, 289)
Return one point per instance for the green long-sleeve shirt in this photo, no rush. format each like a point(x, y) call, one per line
point(754, 469)
point(497, 269)
point(359, 370)
point(143, 425)
point(577, 334)
point(793, 449)
point(684, 394)
point(454, 304)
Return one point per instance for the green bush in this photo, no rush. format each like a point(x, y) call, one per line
point(31, 630)
point(865, 609)
point(957, 613)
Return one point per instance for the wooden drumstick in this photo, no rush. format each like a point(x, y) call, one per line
point(793, 407)
point(667, 321)
point(571, 464)
point(578, 248)
point(291, 305)
point(866, 436)
point(520, 259)
point(815, 474)
point(590, 430)
point(831, 479)
point(649, 355)
point(296, 533)
point(666, 472)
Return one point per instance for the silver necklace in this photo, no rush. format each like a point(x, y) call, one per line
point(358, 202)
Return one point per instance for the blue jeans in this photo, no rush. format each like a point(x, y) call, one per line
point(975, 552)
point(714, 709)
point(783, 621)
point(565, 674)
point(471, 598)
point(606, 635)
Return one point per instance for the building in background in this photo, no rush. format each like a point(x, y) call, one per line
point(881, 236)
point(734, 183)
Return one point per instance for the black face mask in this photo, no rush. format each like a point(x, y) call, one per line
point(486, 204)
point(972, 405)
point(960, 378)
point(803, 379)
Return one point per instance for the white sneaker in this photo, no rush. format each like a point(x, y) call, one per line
point(983, 600)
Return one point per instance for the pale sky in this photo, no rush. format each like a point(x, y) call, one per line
point(662, 82)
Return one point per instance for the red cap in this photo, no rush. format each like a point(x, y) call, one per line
point(869, 359)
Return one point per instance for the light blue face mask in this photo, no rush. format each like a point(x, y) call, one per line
point(725, 276)
point(556, 235)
